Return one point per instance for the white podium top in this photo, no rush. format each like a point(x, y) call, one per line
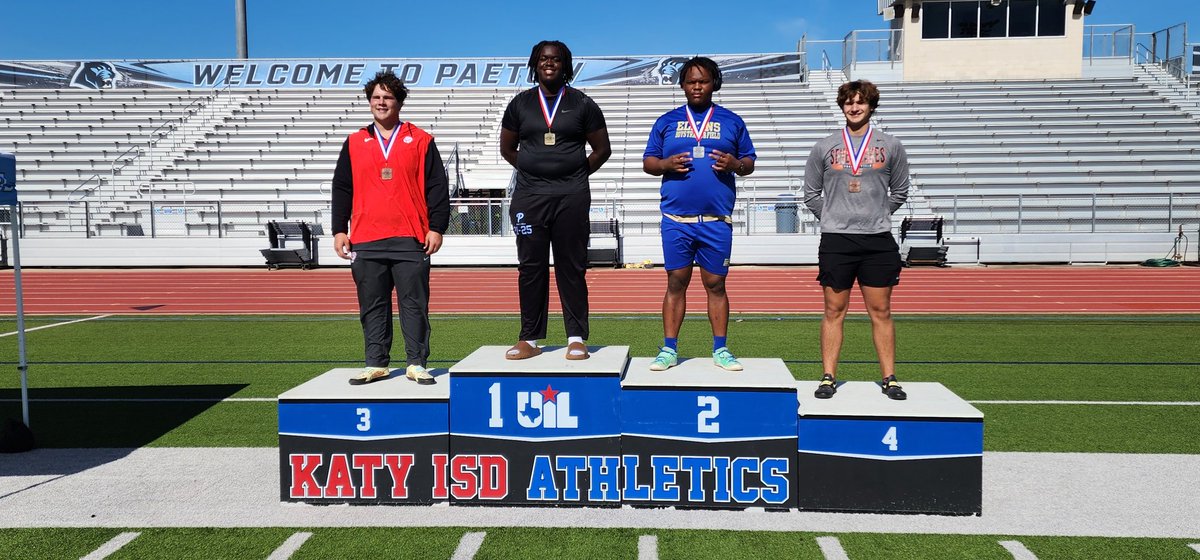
point(334, 385)
point(759, 373)
point(864, 398)
point(604, 360)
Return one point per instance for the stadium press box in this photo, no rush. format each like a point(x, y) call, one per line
point(376, 443)
point(540, 431)
point(860, 451)
point(699, 436)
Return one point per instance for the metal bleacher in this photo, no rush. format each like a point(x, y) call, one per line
point(985, 154)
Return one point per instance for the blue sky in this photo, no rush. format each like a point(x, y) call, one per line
point(169, 29)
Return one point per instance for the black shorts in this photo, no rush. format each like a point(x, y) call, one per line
point(874, 259)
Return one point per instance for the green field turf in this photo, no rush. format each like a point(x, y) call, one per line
point(134, 361)
point(599, 544)
point(123, 367)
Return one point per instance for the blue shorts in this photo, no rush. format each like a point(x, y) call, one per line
point(707, 243)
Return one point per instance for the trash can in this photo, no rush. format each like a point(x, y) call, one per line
point(787, 219)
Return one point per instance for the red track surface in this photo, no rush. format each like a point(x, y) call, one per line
point(493, 290)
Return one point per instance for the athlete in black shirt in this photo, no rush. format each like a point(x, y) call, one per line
point(543, 135)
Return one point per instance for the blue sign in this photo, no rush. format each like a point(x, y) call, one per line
point(890, 439)
point(363, 421)
point(355, 73)
point(708, 415)
point(8, 180)
point(535, 407)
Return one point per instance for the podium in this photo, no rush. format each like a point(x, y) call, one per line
point(540, 431)
point(860, 451)
point(699, 436)
point(607, 431)
point(373, 443)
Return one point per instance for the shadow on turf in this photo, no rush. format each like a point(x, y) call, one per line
point(111, 417)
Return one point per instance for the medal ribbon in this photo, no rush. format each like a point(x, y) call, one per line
point(856, 156)
point(385, 144)
point(547, 112)
point(699, 132)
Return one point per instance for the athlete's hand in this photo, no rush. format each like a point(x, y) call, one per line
point(678, 163)
point(725, 163)
point(341, 245)
point(433, 242)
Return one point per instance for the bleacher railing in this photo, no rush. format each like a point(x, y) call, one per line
point(782, 214)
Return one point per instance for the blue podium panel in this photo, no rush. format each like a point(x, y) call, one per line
point(376, 443)
point(539, 431)
point(699, 436)
point(921, 455)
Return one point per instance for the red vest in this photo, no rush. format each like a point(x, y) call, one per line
point(394, 207)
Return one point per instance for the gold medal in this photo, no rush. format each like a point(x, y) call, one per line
point(386, 173)
point(548, 139)
point(855, 185)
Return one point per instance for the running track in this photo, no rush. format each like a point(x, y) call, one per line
point(1107, 289)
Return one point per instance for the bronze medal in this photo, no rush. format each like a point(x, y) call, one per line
point(548, 139)
point(386, 173)
point(855, 185)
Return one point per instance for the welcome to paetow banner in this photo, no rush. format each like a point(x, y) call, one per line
point(354, 73)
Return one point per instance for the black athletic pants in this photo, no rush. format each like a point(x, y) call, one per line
point(541, 223)
point(375, 278)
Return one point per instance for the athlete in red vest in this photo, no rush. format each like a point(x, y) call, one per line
point(390, 186)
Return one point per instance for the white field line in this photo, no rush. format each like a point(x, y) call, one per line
point(1018, 550)
point(1107, 403)
point(290, 546)
point(648, 547)
point(111, 546)
point(468, 546)
point(2, 335)
point(831, 547)
point(1196, 547)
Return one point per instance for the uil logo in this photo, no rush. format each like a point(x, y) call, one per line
point(94, 75)
point(547, 408)
point(5, 186)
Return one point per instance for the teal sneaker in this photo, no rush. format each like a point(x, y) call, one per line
point(724, 359)
point(667, 358)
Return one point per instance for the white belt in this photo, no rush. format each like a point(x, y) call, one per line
point(698, 219)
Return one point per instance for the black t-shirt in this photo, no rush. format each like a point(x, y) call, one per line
point(561, 168)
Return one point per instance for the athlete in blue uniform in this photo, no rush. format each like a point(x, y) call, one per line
point(697, 149)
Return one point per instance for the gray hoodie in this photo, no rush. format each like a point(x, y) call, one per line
point(856, 204)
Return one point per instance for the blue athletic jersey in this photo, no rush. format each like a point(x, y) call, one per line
point(701, 190)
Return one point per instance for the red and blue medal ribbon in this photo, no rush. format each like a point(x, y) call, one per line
point(856, 156)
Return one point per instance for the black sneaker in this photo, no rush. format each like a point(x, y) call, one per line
point(827, 387)
point(892, 389)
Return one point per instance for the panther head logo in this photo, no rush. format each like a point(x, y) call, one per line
point(668, 70)
point(94, 75)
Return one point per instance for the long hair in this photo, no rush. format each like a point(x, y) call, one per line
point(568, 71)
point(391, 83)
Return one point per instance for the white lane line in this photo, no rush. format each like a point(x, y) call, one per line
point(2, 335)
point(1107, 403)
point(1018, 550)
point(290, 546)
point(1196, 547)
point(648, 547)
point(111, 546)
point(831, 547)
point(468, 546)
